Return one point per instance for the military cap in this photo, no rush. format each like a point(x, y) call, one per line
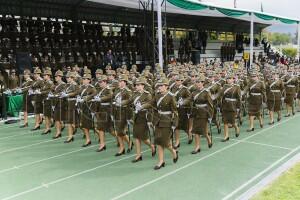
point(59, 73)
point(201, 78)
point(37, 71)
point(179, 78)
point(99, 71)
point(123, 77)
point(87, 76)
point(229, 75)
point(102, 78)
point(72, 74)
point(47, 72)
point(27, 72)
point(140, 80)
point(163, 81)
point(87, 71)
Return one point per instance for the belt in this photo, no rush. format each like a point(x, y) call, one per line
point(71, 99)
point(291, 86)
point(255, 94)
point(274, 91)
point(105, 104)
point(201, 105)
point(230, 99)
point(165, 112)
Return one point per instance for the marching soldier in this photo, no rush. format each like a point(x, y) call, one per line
point(47, 87)
point(142, 112)
point(256, 97)
point(274, 89)
point(121, 114)
point(230, 105)
point(183, 99)
point(86, 93)
point(27, 106)
point(37, 100)
point(57, 104)
point(164, 121)
point(202, 112)
point(291, 89)
point(69, 100)
point(102, 101)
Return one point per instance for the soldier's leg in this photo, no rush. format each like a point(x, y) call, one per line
point(25, 118)
point(190, 128)
point(121, 144)
point(160, 152)
point(138, 148)
point(208, 137)
point(172, 150)
point(101, 135)
point(237, 129)
point(87, 135)
point(197, 143)
point(251, 124)
point(226, 134)
point(70, 132)
point(261, 123)
point(271, 114)
point(58, 127)
point(278, 116)
point(177, 141)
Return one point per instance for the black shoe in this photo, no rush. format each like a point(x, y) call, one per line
point(176, 147)
point(131, 147)
point(56, 137)
point(153, 152)
point(210, 145)
point(87, 144)
point(271, 123)
point(52, 125)
point(24, 125)
point(62, 129)
point(225, 140)
point(278, 119)
point(45, 133)
point(261, 125)
point(102, 149)
point(41, 122)
point(120, 153)
point(219, 130)
point(137, 160)
point(288, 115)
point(36, 128)
point(175, 159)
point(196, 151)
point(157, 167)
point(75, 131)
point(70, 140)
point(250, 130)
point(293, 113)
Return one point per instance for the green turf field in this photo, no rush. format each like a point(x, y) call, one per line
point(35, 167)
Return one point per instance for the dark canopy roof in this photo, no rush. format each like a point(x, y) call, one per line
point(86, 10)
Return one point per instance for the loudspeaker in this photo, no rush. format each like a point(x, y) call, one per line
point(23, 61)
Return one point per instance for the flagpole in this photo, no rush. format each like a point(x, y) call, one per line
point(251, 39)
point(159, 33)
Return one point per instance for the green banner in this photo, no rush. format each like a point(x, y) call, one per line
point(187, 5)
point(231, 13)
point(14, 105)
point(264, 17)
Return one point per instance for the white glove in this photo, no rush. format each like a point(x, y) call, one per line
point(63, 94)
point(119, 101)
point(138, 106)
point(37, 92)
point(30, 92)
point(50, 95)
point(7, 92)
point(180, 101)
point(237, 110)
point(210, 120)
point(19, 90)
point(97, 98)
point(79, 99)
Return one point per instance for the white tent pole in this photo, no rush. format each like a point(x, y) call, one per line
point(251, 38)
point(159, 30)
point(298, 42)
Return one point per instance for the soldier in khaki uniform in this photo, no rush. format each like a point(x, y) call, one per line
point(256, 97)
point(164, 120)
point(121, 114)
point(291, 89)
point(183, 99)
point(45, 90)
point(13, 80)
point(86, 93)
point(274, 89)
point(102, 101)
point(230, 105)
point(142, 113)
point(37, 101)
point(69, 100)
point(57, 104)
point(202, 112)
point(27, 105)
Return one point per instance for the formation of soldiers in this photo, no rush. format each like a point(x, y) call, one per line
point(153, 107)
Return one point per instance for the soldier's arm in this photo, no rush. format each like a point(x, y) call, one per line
point(107, 97)
point(148, 101)
point(210, 104)
point(188, 97)
point(128, 99)
point(92, 93)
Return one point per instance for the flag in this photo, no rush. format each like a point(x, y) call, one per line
point(234, 3)
point(261, 7)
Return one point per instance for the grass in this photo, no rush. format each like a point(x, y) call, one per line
point(286, 187)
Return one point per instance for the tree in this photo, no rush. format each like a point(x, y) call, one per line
point(289, 52)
